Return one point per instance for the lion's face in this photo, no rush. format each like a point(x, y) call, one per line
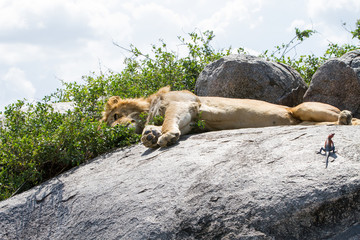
point(125, 112)
point(121, 116)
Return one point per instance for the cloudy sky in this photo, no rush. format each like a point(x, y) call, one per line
point(43, 42)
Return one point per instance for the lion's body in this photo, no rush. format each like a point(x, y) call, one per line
point(181, 110)
point(230, 113)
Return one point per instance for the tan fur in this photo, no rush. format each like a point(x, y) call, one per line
point(127, 111)
point(181, 110)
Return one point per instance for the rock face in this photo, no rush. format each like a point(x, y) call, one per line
point(337, 82)
point(241, 184)
point(245, 76)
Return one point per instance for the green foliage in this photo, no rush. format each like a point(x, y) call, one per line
point(307, 65)
point(301, 35)
point(199, 125)
point(39, 143)
point(356, 32)
point(284, 49)
point(157, 120)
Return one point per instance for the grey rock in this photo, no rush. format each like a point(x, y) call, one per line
point(337, 82)
point(246, 76)
point(263, 183)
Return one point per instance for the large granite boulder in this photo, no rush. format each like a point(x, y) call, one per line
point(337, 82)
point(246, 76)
point(241, 184)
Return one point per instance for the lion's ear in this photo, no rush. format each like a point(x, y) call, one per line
point(112, 101)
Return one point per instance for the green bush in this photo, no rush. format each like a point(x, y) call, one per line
point(38, 144)
point(307, 65)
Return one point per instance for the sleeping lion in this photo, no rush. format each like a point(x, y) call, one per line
point(181, 110)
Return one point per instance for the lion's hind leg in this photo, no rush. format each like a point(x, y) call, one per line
point(320, 113)
point(315, 112)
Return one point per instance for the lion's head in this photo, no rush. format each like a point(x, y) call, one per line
point(127, 112)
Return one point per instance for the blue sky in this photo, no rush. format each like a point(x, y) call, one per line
point(43, 42)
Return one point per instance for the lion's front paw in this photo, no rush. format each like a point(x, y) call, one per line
point(169, 138)
point(150, 136)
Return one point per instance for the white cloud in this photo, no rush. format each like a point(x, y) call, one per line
point(327, 17)
point(140, 11)
point(93, 56)
point(9, 19)
point(154, 21)
point(106, 18)
point(302, 25)
point(59, 22)
point(19, 14)
point(16, 81)
point(12, 54)
point(298, 23)
point(56, 39)
point(256, 22)
point(15, 85)
point(233, 12)
point(317, 7)
point(154, 16)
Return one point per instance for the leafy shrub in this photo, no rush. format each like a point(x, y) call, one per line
point(39, 143)
point(307, 65)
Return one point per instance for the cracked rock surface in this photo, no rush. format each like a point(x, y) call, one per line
point(263, 183)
